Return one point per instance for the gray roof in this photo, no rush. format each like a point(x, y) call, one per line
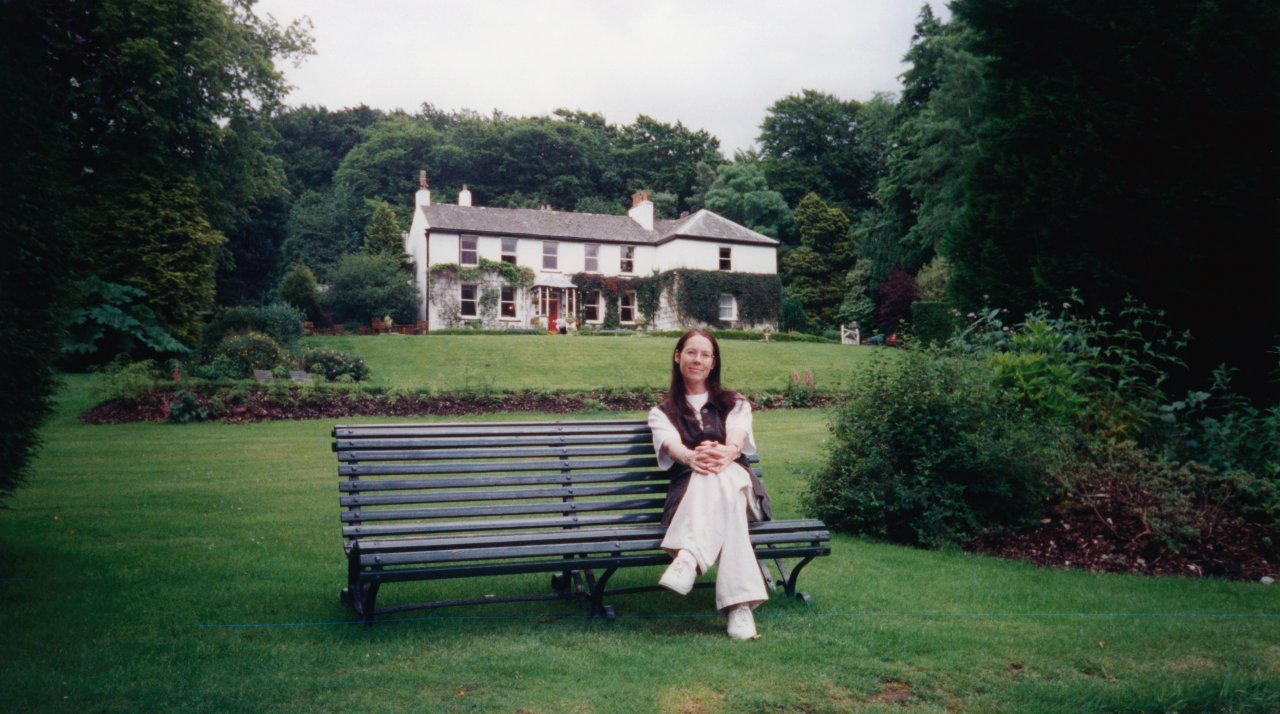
point(592, 227)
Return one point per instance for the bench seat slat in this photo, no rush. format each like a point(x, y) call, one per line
point(367, 545)
point(504, 494)
point(551, 566)
point(582, 547)
point(576, 541)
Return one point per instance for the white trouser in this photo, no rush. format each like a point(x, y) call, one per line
point(711, 525)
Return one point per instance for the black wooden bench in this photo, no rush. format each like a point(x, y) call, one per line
point(576, 499)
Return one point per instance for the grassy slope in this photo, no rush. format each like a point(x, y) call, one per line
point(549, 362)
point(133, 544)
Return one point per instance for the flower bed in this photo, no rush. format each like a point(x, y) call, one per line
point(244, 405)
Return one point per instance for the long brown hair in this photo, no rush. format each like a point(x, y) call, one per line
point(722, 398)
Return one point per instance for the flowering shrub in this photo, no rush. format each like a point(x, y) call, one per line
point(800, 392)
point(336, 365)
point(241, 353)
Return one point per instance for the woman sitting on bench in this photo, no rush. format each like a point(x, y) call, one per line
point(702, 434)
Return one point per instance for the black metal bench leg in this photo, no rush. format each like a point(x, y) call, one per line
point(363, 597)
point(791, 582)
point(598, 608)
point(353, 579)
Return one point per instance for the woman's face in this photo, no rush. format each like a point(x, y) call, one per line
point(696, 360)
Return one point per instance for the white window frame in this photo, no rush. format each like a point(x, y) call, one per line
point(463, 250)
point(474, 300)
point(509, 256)
point(591, 300)
point(591, 258)
point(726, 258)
point(507, 304)
point(551, 250)
point(623, 299)
point(628, 262)
point(732, 305)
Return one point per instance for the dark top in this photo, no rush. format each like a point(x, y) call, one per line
point(692, 434)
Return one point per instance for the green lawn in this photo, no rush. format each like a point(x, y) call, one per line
point(152, 567)
point(550, 362)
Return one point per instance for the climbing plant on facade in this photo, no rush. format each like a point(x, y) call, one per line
point(488, 275)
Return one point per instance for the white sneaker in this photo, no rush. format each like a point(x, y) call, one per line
point(680, 575)
point(742, 625)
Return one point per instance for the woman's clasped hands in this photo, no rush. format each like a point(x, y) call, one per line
point(712, 457)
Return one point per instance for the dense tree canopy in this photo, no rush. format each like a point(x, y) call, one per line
point(809, 144)
point(741, 193)
point(1130, 149)
point(128, 128)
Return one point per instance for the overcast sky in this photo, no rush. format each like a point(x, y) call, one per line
point(711, 64)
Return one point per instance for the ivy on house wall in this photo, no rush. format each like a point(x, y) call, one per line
point(611, 290)
point(698, 294)
point(444, 279)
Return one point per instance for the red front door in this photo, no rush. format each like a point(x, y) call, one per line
point(553, 311)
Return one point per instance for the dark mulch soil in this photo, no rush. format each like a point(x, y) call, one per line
point(1084, 539)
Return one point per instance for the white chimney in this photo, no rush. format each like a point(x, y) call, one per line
point(464, 196)
point(424, 193)
point(642, 210)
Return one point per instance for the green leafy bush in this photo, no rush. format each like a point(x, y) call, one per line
point(114, 319)
point(335, 366)
point(186, 408)
point(241, 353)
point(125, 380)
point(298, 288)
point(928, 451)
point(366, 287)
point(282, 321)
point(1097, 373)
point(933, 322)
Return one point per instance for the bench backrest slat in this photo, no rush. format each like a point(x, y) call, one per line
point(500, 494)
point(490, 441)
point(490, 452)
point(516, 509)
point(471, 467)
point(367, 485)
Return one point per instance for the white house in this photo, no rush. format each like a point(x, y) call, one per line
point(456, 250)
